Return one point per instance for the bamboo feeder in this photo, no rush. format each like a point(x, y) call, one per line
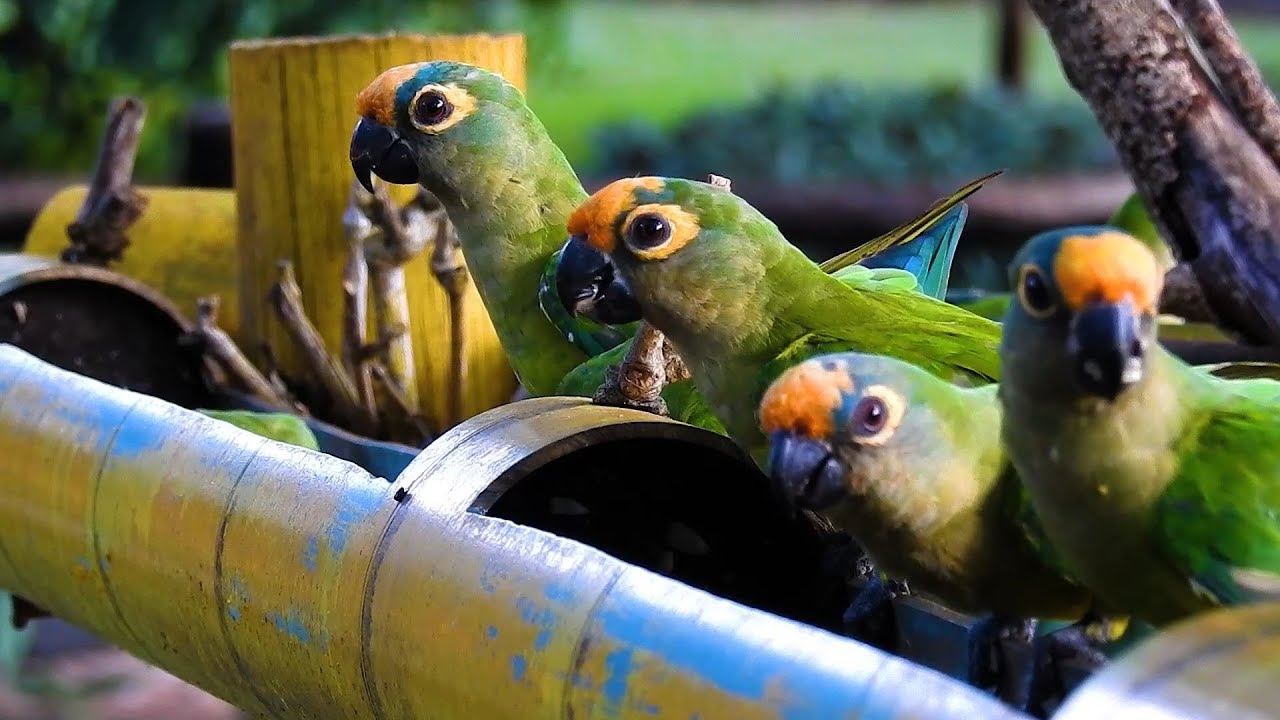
point(292, 113)
point(183, 245)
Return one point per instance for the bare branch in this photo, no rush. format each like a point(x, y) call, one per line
point(355, 299)
point(286, 299)
point(224, 351)
point(404, 415)
point(1212, 191)
point(98, 234)
point(1238, 75)
point(450, 271)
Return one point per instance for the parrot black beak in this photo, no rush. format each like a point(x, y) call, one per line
point(588, 284)
point(1107, 347)
point(378, 150)
point(804, 472)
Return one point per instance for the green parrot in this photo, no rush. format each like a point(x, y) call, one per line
point(1158, 482)
point(279, 426)
point(467, 136)
point(740, 304)
point(1131, 217)
point(912, 467)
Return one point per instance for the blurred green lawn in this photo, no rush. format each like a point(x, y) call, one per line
point(662, 60)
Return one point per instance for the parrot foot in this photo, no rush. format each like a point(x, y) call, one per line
point(638, 381)
point(1042, 684)
point(1001, 656)
point(870, 619)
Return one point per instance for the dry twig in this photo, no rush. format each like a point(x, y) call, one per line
point(218, 345)
point(286, 299)
point(450, 271)
point(98, 234)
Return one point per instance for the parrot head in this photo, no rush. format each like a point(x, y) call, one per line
point(850, 429)
point(1086, 304)
point(670, 250)
point(430, 123)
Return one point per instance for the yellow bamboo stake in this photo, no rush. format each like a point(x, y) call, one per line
point(183, 245)
point(292, 109)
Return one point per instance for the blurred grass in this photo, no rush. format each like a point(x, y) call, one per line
point(663, 60)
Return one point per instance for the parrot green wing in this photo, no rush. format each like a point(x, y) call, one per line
point(1017, 503)
point(281, 427)
point(990, 305)
point(955, 361)
point(1219, 518)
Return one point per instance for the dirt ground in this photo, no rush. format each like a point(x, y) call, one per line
point(117, 687)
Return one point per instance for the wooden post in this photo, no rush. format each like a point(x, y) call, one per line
point(1011, 44)
point(292, 113)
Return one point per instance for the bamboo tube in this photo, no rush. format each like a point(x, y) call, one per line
point(292, 108)
point(299, 587)
point(183, 245)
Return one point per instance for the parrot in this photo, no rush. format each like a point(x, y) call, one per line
point(740, 304)
point(468, 136)
point(1131, 217)
point(913, 468)
point(279, 426)
point(1157, 482)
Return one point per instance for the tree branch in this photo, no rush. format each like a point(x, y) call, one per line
point(355, 299)
point(1237, 74)
point(98, 234)
point(1212, 191)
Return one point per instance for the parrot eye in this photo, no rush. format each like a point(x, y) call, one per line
point(648, 231)
point(869, 416)
point(431, 108)
point(876, 416)
point(1033, 292)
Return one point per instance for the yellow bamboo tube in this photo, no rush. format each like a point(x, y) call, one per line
point(1219, 664)
point(293, 110)
point(183, 245)
point(298, 587)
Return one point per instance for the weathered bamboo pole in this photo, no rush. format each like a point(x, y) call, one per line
point(183, 245)
point(299, 587)
point(292, 109)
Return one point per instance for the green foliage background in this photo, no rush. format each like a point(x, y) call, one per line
point(62, 60)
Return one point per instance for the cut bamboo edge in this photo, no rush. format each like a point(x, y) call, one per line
point(383, 600)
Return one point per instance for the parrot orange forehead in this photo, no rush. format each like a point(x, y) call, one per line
point(1107, 266)
point(378, 100)
point(595, 217)
point(803, 399)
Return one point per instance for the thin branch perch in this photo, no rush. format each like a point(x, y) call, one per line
point(402, 238)
point(218, 345)
point(450, 271)
point(98, 234)
point(355, 297)
point(286, 299)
